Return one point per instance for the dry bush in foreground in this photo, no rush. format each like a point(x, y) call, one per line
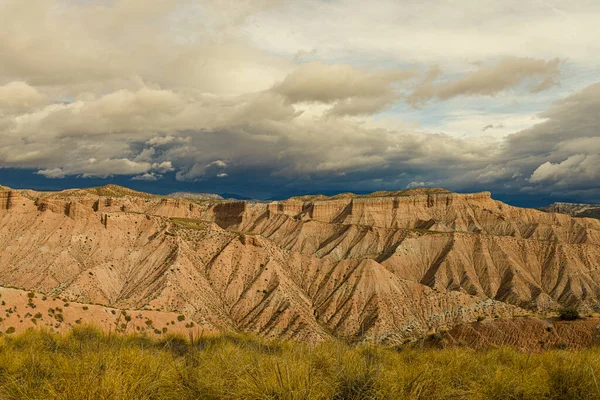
point(87, 363)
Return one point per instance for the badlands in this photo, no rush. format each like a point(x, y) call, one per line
point(383, 267)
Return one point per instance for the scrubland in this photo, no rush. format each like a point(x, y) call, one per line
point(89, 364)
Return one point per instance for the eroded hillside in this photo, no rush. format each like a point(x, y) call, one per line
point(384, 266)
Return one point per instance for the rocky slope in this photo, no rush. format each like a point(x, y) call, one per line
point(575, 210)
point(383, 267)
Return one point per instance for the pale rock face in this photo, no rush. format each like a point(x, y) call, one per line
point(380, 267)
point(575, 210)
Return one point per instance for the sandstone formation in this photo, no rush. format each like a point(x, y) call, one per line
point(384, 267)
point(575, 210)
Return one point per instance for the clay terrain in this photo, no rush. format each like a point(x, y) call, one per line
point(575, 209)
point(385, 267)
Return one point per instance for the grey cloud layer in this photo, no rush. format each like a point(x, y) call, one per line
point(149, 132)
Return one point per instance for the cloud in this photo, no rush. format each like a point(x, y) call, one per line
point(217, 163)
point(491, 126)
point(52, 173)
point(166, 140)
point(576, 168)
point(19, 97)
point(437, 31)
point(507, 74)
point(148, 176)
point(72, 46)
point(163, 167)
point(352, 91)
point(414, 184)
point(556, 156)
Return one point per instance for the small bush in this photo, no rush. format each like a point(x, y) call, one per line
point(480, 318)
point(10, 329)
point(180, 318)
point(436, 337)
point(568, 314)
point(562, 346)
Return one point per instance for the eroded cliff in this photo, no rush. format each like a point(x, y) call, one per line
point(385, 266)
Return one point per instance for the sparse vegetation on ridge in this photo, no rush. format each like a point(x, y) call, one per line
point(87, 363)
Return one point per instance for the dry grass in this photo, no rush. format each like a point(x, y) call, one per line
point(87, 364)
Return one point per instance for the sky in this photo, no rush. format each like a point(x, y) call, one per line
point(269, 99)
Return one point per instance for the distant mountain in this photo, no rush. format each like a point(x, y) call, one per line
point(235, 196)
point(195, 196)
point(575, 209)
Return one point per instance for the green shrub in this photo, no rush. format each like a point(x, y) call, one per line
point(568, 314)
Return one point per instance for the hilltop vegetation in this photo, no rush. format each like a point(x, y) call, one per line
point(88, 364)
point(109, 190)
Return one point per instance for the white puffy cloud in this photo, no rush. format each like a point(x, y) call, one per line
point(52, 173)
point(19, 97)
point(148, 176)
point(576, 168)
